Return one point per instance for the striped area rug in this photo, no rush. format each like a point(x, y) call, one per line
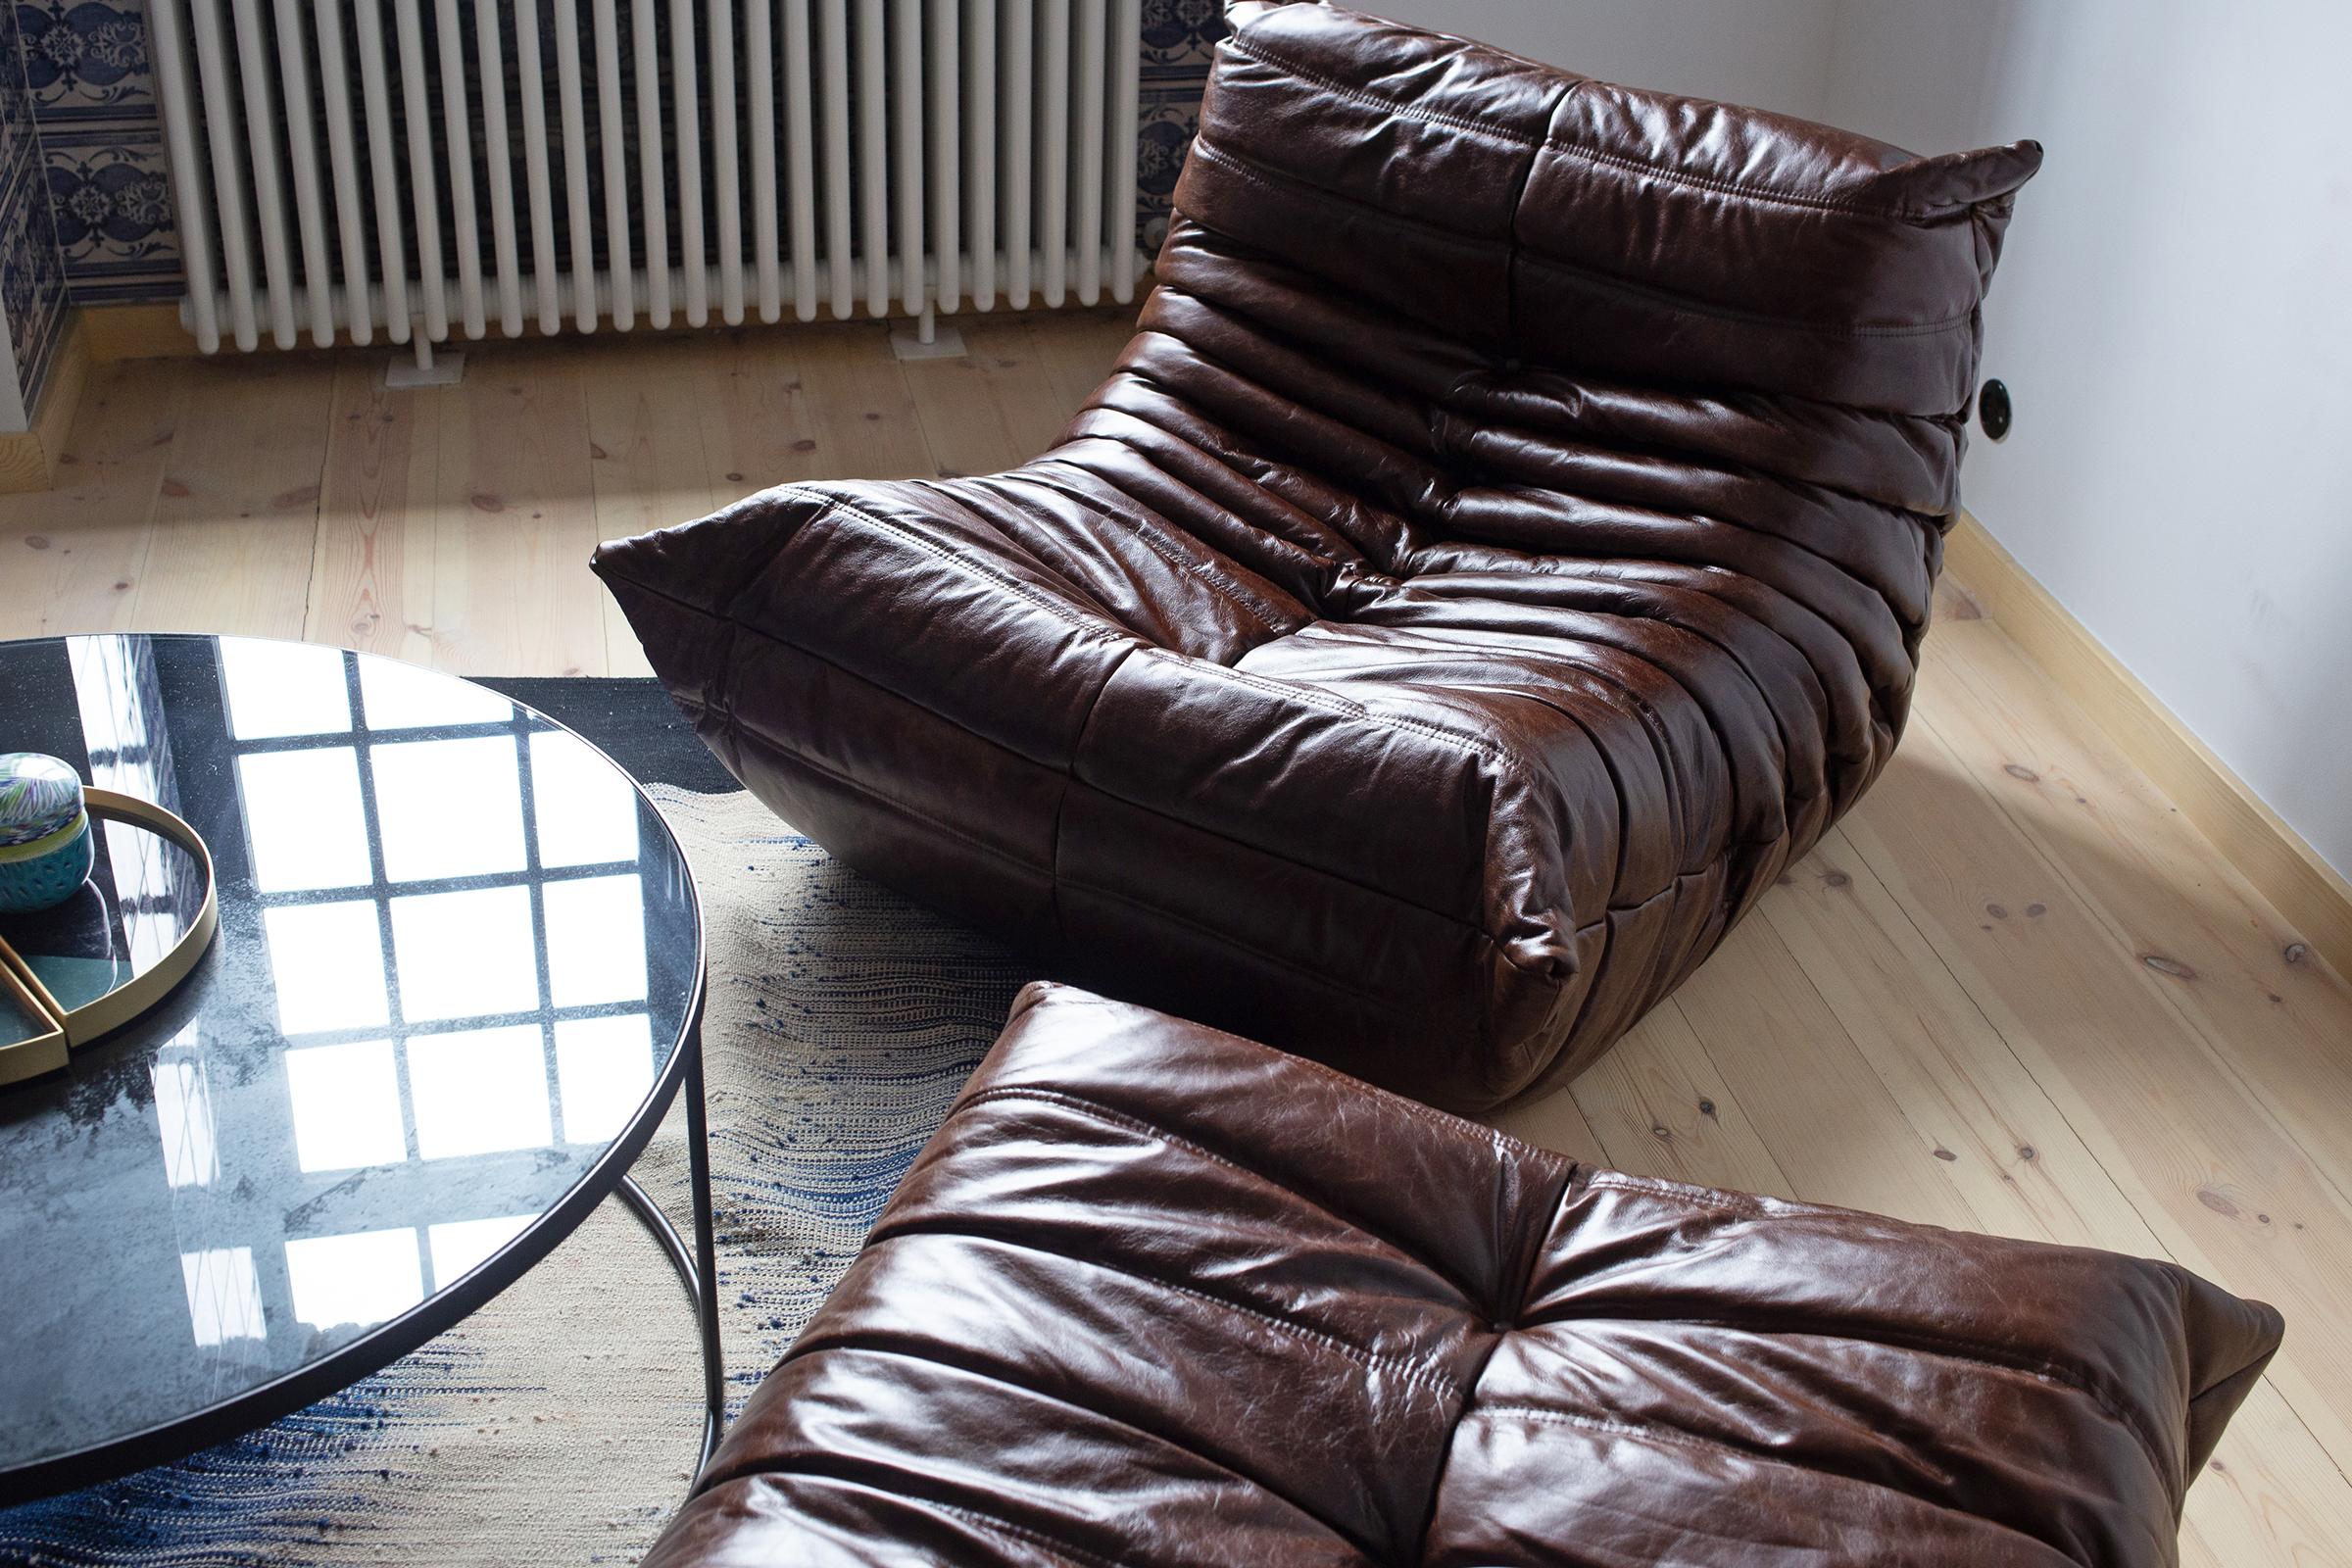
point(558, 1425)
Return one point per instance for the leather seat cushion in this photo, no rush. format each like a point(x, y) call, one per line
point(1155, 1294)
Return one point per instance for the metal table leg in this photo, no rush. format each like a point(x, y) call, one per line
point(699, 1271)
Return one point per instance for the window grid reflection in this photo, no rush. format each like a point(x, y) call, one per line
point(439, 1014)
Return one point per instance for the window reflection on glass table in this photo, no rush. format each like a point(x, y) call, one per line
point(456, 954)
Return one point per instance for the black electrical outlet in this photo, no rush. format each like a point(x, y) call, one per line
point(1993, 411)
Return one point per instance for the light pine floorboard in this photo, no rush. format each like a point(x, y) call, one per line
point(2013, 992)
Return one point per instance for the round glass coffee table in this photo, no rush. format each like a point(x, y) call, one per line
point(457, 982)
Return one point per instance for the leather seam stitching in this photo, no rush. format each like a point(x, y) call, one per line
point(1333, 982)
point(1518, 204)
point(1051, 872)
point(1116, 430)
point(773, 1474)
point(1406, 110)
point(1026, 1537)
point(1914, 217)
point(1726, 1205)
point(1236, 594)
point(1283, 451)
point(1425, 1377)
point(1333, 703)
point(804, 759)
point(1514, 252)
point(890, 802)
point(1501, 1145)
point(1189, 284)
point(1289, 689)
point(1737, 591)
point(1535, 1244)
point(1282, 184)
point(1677, 612)
point(1691, 305)
point(963, 564)
point(1762, 539)
point(1054, 873)
point(1693, 1440)
point(1241, 44)
point(1062, 797)
point(1294, 370)
point(1482, 408)
point(1058, 876)
point(1491, 476)
point(1651, 724)
point(865, 1345)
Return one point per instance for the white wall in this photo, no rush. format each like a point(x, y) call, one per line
point(2173, 317)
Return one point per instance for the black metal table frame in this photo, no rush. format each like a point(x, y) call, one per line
point(372, 1352)
point(698, 1273)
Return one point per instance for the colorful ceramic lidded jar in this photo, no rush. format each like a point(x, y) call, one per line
point(45, 848)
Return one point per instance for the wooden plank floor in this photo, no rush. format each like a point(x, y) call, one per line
point(2013, 991)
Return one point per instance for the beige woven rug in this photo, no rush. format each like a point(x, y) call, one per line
point(558, 1425)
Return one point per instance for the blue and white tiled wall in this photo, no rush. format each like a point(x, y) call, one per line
point(93, 101)
point(85, 214)
point(86, 203)
point(31, 277)
point(1179, 36)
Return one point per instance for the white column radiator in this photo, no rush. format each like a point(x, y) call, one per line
point(455, 166)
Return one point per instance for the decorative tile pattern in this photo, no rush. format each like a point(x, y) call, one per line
point(85, 212)
point(32, 284)
point(16, 104)
point(91, 84)
point(111, 195)
point(84, 60)
point(32, 280)
point(1180, 37)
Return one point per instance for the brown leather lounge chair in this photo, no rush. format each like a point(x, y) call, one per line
point(1505, 544)
point(1159, 1296)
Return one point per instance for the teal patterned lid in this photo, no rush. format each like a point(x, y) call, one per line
point(38, 796)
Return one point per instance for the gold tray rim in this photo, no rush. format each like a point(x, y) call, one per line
point(46, 1052)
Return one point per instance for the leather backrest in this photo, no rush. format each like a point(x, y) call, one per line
point(1623, 232)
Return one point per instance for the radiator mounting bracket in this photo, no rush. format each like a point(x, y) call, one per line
point(427, 369)
point(927, 340)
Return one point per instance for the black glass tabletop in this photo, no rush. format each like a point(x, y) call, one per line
point(458, 962)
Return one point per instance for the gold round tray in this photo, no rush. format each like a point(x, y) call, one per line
point(69, 1027)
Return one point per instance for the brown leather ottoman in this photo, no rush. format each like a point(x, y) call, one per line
point(1156, 1295)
